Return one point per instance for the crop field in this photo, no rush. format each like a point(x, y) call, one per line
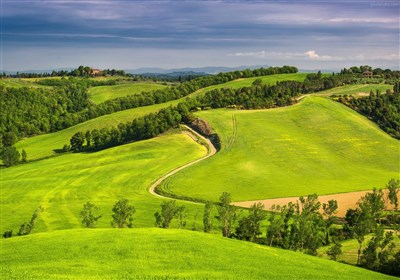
point(63, 184)
point(102, 93)
point(160, 254)
point(19, 83)
point(317, 146)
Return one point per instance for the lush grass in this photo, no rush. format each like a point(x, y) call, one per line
point(159, 254)
point(316, 146)
point(63, 184)
point(355, 89)
point(103, 93)
point(44, 145)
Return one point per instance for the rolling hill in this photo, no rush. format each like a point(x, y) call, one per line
point(160, 254)
point(316, 146)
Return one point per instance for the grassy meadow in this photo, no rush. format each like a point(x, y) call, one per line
point(160, 254)
point(20, 83)
point(317, 146)
point(102, 93)
point(355, 89)
point(63, 184)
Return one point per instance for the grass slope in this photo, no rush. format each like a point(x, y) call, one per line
point(103, 93)
point(316, 146)
point(355, 89)
point(44, 145)
point(63, 184)
point(19, 83)
point(159, 254)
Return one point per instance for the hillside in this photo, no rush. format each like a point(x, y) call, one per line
point(159, 254)
point(63, 184)
point(316, 146)
point(45, 145)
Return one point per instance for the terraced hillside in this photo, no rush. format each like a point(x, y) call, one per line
point(159, 254)
point(316, 146)
point(63, 184)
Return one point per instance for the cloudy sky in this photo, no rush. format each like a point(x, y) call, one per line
point(48, 34)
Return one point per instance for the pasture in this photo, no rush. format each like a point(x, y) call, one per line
point(100, 94)
point(317, 146)
point(160, 254)
point(63, 184)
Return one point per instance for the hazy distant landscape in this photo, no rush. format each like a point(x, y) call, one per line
point(200, 140)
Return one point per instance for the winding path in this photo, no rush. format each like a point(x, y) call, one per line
point(194, 135)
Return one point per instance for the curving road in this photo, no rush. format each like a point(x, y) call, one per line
point(193, 134)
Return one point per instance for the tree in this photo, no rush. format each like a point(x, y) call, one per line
point(181, 216)
point(87, 137)
point(227, 214)
point(256, 216)
point(207, 219)
point(123, 214)
point(329, 211)
point(393, 190)
point(88, 214)
point(77, 141)
point(9, 139)
point(24, 156)
point(10, 156)
point(168, 212)
point(335, 250)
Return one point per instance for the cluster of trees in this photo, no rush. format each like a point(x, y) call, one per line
point(8, 153)
point(359, 70)
point(383, 109)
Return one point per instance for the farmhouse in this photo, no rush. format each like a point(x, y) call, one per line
point(96, 72)
point(367, 74)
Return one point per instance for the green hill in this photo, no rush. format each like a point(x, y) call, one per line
point(103, 93)
point(316, 146)
point(159, 254)
point(44, 145)
point(63, 184)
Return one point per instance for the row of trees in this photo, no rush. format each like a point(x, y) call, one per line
point(383, 109)
point(27, 227)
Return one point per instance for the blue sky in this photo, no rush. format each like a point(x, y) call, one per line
point(47, 34)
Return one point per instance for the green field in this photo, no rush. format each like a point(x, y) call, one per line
point(159, 254)
point(316, 146)
point(102, 93)
point(63, 184)
point(19, 83)
point(355, 89)
point(44, 145)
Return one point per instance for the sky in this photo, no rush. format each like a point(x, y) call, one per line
point(122, 34)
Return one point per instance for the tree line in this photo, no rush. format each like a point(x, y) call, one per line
point(383, 109)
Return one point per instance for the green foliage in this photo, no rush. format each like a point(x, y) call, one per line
point(207, 219)
point(123, 214)
point(335, 250)
point(89, 215)
point(169, 210)
point(393, 190)
point(24, 156)
point(249, 227)
point(77, 141)
point(226, 213)
point(10, 156)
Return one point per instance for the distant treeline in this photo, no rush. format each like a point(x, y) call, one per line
point(383, 109)
point(36, 111)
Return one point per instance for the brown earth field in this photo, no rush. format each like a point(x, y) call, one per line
point(345, 201)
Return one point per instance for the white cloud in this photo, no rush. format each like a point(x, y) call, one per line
point(260, 54)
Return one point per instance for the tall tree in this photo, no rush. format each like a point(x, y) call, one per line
point(24, 156)
point(227, 213)
point(329, 211)
point(89, 215)
point(123, 214)
point(168, 212)
point(10, 156)
point(207, 219)
point(393, 190)
point(77, 141)
point(256, 216)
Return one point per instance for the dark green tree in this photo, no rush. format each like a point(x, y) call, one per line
point(168, 212)
point(10, 156)
point(393, 190)
point(26, 228)
point(335, 250)
point(77, 141)
point(181, 216)
point(256, 216)
point(123, 214)
point(88, 138)
point(89, 215)
point(24, 156)
point(207, 218)
point(329, 211)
